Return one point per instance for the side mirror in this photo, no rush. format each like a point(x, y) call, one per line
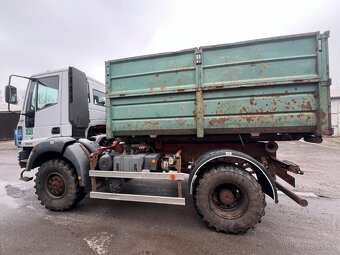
point(11, 96)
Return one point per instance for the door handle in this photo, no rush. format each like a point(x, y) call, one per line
point(55, 130)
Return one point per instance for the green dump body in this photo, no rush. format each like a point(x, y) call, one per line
point(274, 85)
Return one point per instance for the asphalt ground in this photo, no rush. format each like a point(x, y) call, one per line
point(113, 227)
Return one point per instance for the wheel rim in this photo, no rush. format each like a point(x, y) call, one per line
point(228, 200)
point(55, 185)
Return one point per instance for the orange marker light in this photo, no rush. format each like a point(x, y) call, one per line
point(153, 161)
point(172, 177)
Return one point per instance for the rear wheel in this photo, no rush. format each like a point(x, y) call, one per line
point(57, 185)
point(229, 199)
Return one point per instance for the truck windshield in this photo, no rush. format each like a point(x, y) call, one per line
point(42, 93)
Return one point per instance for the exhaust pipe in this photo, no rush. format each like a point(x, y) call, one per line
point(271, 147)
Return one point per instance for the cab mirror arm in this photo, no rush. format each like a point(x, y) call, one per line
point(11, 92)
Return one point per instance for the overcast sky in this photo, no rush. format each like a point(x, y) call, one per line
point(40, 35)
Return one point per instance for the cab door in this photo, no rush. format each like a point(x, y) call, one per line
point(43, 109)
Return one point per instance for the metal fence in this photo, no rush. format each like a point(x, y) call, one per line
point(8, 123)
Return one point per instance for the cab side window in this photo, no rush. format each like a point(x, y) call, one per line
point(98, 97)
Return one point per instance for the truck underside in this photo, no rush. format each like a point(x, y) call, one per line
point(228, 178)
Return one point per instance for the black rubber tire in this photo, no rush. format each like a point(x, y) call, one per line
point(81, 195)
point(247, 212)
point(72, 193)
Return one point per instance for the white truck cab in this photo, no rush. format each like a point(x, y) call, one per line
point(60, 103)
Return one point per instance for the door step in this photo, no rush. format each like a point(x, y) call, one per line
point(138, 198)
point(172, 176)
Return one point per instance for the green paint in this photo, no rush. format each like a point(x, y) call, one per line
point(265, 86)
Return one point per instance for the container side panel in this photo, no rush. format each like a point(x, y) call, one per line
point(154, 94)
point(283, 59)
point(274, 85)
point(264, 86)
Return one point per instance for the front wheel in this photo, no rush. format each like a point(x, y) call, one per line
point(57, 185)
point(229, 199)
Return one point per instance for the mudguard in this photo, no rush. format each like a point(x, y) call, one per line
point(61, 147)
point(51, 145)
point(75, 154)
point(266, 181)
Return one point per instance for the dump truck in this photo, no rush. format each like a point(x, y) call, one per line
point(209, 117)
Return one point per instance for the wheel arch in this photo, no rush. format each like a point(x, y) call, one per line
point(263, 177)
point(46, 150)
point(43, 157)
point(66, 149)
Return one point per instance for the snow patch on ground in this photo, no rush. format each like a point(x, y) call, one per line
point(97, 243)
point(55, 217)
point(5, 199)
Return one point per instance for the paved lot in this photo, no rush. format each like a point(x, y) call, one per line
point(101, 227)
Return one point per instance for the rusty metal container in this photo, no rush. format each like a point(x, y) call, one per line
point(273, 85)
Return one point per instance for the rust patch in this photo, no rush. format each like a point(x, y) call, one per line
point(293, 101)
point(219, 111)
point(151, 124)
point(306, 106)
point(301, 115)
point(243, 110)
point(122, 95)
point(252, 101)
point(179, 90)
point(218, 121)
point(249, 119)
point(287, 107)
point(214, 87)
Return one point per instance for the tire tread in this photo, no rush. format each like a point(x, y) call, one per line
point(220, 169)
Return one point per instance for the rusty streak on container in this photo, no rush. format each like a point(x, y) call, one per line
point(199, 114)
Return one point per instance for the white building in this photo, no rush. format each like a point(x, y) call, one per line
point(335, 106)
